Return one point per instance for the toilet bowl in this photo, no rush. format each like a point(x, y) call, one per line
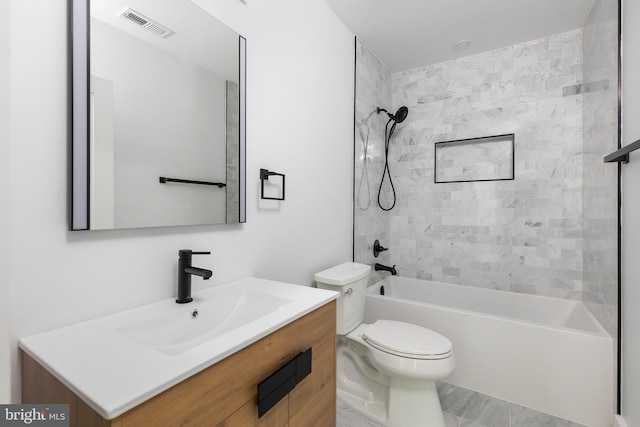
point(386, 370)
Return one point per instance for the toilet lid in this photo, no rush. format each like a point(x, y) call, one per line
point(407, 340)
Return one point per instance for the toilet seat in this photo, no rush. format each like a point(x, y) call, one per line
point(401, 349)
point(407, 340)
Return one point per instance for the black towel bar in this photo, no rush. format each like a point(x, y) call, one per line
point(164, 180)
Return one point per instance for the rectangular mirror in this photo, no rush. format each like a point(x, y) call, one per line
point(158, 132)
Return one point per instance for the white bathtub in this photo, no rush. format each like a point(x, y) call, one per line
point(544, 353)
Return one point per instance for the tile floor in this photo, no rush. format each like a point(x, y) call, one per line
point(465, 408)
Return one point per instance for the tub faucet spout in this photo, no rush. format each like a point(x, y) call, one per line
point(380, 267)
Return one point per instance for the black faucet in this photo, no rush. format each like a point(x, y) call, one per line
point(391, 270)
point(185, 270)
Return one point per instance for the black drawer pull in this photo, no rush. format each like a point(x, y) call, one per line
point(282, 381)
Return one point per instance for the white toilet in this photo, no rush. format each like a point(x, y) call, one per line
point(387, 370)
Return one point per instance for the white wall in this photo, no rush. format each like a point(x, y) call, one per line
point(630, 217)
point(4, 195)
point(299, 122)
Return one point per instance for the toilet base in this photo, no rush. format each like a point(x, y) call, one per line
point(356, 385)
point(414, 404)
point(408, 405)
point(393, 401)
point(372, 410)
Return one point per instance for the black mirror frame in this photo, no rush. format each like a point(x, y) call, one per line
point(79, 95)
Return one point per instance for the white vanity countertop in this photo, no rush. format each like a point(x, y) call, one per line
point(113, 372)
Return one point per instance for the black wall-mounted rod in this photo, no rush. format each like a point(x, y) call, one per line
point(164, 180)
point(622, 155)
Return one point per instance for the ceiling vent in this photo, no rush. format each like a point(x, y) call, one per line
point(146, 23)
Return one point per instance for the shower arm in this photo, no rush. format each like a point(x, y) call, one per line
point(380, 110)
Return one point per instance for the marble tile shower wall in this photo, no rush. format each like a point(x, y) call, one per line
point(524, 235)
point(373, 89)
point(600, 109)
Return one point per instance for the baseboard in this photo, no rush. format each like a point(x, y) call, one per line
point(618, 421)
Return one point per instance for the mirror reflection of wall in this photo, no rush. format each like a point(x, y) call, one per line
point(233, 152)
point(162, 106)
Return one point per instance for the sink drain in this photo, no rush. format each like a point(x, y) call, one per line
point(194, 314)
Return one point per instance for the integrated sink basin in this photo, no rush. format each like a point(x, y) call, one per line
point(187, 325)
point(118, 361)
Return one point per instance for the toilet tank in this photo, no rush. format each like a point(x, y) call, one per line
point(350, 280)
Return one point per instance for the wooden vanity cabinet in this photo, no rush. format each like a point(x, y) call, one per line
point(225, 394)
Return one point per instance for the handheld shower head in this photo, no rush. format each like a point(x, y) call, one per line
point(399, 116)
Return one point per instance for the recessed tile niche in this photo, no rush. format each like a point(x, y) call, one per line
point(488, 158)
